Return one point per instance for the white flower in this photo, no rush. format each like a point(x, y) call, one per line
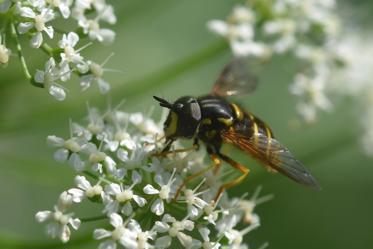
point(124, 139)
point(4, 54)
point(105, 12)
point(211, 213)
point(142, 238)
point(164, 192)
point(137, 156)
point(226, 226)
point(239, 31)
point(120, 234)
point(59, 225)
point(123, 196)
point(175, 229)
point(248, 206)
point(207, 244)
point(95, 32)
point(85, 189)
point(69, 54)
point(48, 78)
point(285, 29)
point(39, 23)
point(145, 124)
point(68, 150)
point(313, 96)
point(95, 74)
point(194, 202)
point(62, 5)
point(96, 122)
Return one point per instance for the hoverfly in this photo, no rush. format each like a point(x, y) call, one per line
point(214, 120)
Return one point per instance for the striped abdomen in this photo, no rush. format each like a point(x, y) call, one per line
point(247, 124)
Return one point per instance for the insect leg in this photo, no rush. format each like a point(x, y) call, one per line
point(167, 152)
point(245, 171)
point(215, 163)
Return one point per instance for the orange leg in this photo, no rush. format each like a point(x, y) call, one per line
point(215, 163)
point(245, 171)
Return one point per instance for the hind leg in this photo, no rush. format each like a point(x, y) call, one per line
point(245, 171)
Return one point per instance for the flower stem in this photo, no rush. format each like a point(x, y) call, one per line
point(22, 58)
point(95, 218)
point(47, 49)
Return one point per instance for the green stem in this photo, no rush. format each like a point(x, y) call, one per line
point(47, 49)
point(95, 218)
point(90, 174)
point(22, 58)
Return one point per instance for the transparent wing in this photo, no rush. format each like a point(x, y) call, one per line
point(235, 79)
point(271, 153)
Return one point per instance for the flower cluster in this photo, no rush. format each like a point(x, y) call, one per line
point(35, 20)
point(115, 157)
point(356, 81)
point(305, 29)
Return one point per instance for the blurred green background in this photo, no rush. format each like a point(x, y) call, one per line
point(164, 49)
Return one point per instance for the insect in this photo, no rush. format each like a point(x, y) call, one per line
point(215, 121)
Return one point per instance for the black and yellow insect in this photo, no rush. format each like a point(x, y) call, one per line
point(214, 120)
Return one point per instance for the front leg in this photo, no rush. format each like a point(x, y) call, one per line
point(167, 150)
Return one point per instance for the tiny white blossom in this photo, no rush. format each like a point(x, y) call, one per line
point(69, 54)
point(59, 221)
point(194, 202)
point(174, 229)
point(239, 31)
point(68, 150)
point(122, 196)
point(120, 234)
point(145, 124)
point(207, 244)
point(92, 28)
point(85, 189)
point(48, 78)
point(141, 238)
point(164, 192)
point(62, 5)
point(39, 23)
point(4, 54)
point(95, 75)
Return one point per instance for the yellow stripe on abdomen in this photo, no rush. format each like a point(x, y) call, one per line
point(237, 111)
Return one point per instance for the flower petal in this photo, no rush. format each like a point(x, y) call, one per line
point(82, 182)
point(75, 223)
point(57, 92)
point(139, 200)
point(101, 234)
point(27, 12)
point(127, 209)
point(76, 162)
point(24, 27)
point(61, 155)
point(64, 233)
point(163, 242)
point(36, 40)
point(113, 189)
point(150, 190)
point(42, 216)
point(55, 141)
point(158, 207)
point(77, 194)
point(116, 220)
